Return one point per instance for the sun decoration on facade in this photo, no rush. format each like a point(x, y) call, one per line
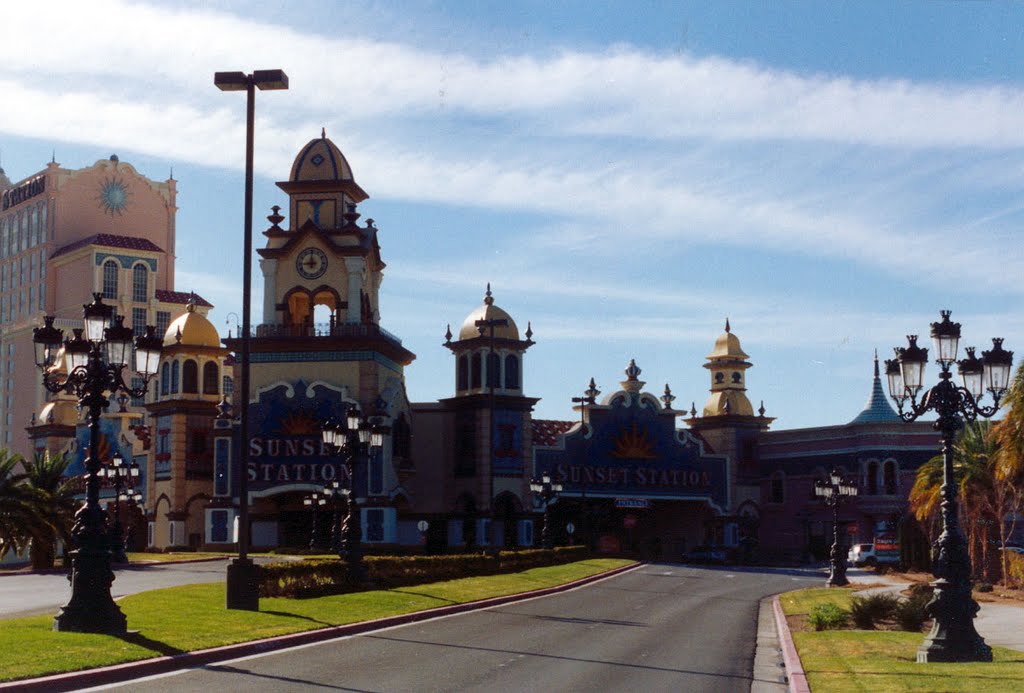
point(300, 423)
point(113, 197)
point(634, 445)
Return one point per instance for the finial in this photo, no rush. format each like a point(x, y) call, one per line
point(323, 133)
point(177, 336)
point(727, 324)
point(529, 331)
point(668, 397)
point(32, 421)
point(591, 392)
point(53, 157)
point(275, 218)
point(190, 306)
point(761, 410)
point(488, 299)
point(448, 334)
point(172, 173)
point(632, 370)
point(876, 364)
point(693, 409)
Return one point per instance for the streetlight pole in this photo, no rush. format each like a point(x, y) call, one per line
point(953, 637)
point(314, 501)
point(834, 492)
point(547, 490)
point(95, 360)
point(354, 441)
point(242, 574)
point(588, 399)
point(119, 471)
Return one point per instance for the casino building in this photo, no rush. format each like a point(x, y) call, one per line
point(638, 474)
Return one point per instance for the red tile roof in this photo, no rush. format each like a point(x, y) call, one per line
point(547, 431)
point(110, 241)
point(180, 297)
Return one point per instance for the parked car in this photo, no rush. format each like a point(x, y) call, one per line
point(863, 555)
point(705, 554)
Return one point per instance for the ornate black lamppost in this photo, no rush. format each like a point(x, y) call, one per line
point(354, 441)
point(953, 637)
point(95, 361)
point(243, 574)
point(547, 490)
point(834, 492)
point(335, 496)
point(134, 500)
point(124, 476)
point(588, 399)
point(314, 501)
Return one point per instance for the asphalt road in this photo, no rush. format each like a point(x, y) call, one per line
point(28, 595)
point(662, 627)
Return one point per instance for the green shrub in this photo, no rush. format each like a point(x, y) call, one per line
point(910, 614)
point(1015, 569)
point(869, 610)
point(983, 587)
point(921, 588)
point(828, 617)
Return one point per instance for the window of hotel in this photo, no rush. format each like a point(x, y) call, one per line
point(163, 321)
point(228, 385)
point(3, 277)
point(165, 379)
point(376, 474)
point(22, 232)
point(42, 296)
point(42, 221)
point(42, 264)
point(33, 226)
point(3, 238)
point(140, 283)
point(211, 378)
point(475, 368)
point(175, 375)
point(872, 478)
point(139, 321)
point(511, 371)
point(31, 298)
point(109, 279)
point(137, 384)
point(21, 302)
point(493, 370)
point(189, 377)
point(32, 268)
point(21, 270)
point(889, 477)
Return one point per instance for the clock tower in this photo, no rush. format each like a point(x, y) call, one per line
point(319, 352)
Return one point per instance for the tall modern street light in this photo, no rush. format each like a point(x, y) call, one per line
point(547, 490)
point(95, 360)
point(953, 637)
point(834, 492)
point(243, 575)
point(355, 440)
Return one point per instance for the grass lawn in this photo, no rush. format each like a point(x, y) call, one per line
point(146, 557)
point(193, 617)
point(881, 661)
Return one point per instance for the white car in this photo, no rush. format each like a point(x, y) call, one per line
point(864, 555)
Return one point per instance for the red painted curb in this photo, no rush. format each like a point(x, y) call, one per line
point(159, 665)
point(794, 669)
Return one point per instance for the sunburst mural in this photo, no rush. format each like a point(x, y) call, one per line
point(300, 423)
point(114, 196)
point(634, 444)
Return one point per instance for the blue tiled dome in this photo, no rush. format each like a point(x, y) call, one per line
point(877, 409)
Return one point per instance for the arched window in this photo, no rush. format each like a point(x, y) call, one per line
point(401, 438)
point(211, 378)
point(493, 370)
point(719, 377)
point(175, 374)
point(190, 377)
point(889, 477)
point(140, 283)
point(872, 478)
point(476, 368)
point(165, 379)
point(110, 279)
point(228, 386)
point(462, 379)
point(511, 372)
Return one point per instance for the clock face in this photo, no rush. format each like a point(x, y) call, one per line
point(113, 196)
point(311, 263)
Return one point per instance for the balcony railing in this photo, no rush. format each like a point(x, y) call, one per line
point(323, 329)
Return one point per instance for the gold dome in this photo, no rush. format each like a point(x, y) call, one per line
point(320, 160)
point(727, 346)
point(489, 311)
point(191, 329)
point(728, 402)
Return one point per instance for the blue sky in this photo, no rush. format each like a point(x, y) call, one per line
point(626, 175)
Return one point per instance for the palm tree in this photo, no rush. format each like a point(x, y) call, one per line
point(1009, 433)
point(974, 455)
point(55, 504)
point(16, 507)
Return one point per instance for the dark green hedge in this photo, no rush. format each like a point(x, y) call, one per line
point(319, 577)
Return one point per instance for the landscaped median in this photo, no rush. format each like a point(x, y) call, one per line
point(878, 660)
point(185, 619)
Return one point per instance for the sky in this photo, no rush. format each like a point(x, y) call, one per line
point(626, 175)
